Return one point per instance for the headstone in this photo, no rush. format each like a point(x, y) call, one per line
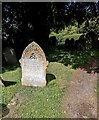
point(53, 40)
point(92, 38)
point(82, 42)
point(67, 43)
point(72, 43)
point(10, 55)
point(33, 63)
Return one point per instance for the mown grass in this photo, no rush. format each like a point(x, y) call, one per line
point(10, 90)
point(39, 102)
point(46, 102)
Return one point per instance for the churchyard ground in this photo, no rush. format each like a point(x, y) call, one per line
point(48, 102)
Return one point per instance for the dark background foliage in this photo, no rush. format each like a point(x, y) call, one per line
point(23, 22)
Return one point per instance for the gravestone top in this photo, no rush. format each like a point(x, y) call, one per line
point(32, 49)
point(33, 63)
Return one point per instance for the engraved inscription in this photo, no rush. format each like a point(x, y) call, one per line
point(33, 56)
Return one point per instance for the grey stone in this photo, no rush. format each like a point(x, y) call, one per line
point(1, 84)
point(10, 55)
point(33, 63)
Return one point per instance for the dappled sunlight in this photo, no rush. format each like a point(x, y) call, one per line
point(7, 67)
point(78, 59)
point(68, 33)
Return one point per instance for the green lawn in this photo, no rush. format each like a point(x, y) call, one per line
point(46, 102)
point(8, 92)
point(39, 102)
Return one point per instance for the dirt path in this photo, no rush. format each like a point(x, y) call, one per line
point(80, 99)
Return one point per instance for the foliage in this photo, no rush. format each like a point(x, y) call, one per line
point(93, 25)
point(24, 22)
point(65, 14)
point(62, 36)
point(74, 58)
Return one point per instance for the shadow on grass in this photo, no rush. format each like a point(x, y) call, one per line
point(50, 77)
point(4, 110)
point(8, 67)
point(84, 59)
point(8, 83)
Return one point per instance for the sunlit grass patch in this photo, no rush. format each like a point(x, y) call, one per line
point(8, 91)
point(38, 102)
point(46, 102)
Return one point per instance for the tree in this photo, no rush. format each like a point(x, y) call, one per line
point(25, 22)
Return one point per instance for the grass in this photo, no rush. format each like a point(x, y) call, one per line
point(10, 90)
point(45, 102)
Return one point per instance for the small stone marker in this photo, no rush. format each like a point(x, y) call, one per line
point(10, 56)
point(1, 84)
point(33, 63)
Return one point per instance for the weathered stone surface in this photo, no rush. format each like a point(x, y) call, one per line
point(10, 56)
point(33, 63)
point(1, 84)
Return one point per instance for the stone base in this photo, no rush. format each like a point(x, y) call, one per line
point(34, 82)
